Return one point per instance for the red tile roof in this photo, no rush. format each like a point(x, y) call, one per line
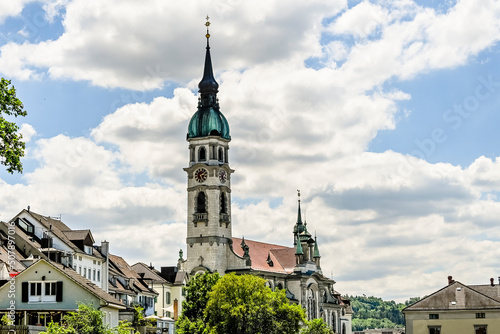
point(282, 257)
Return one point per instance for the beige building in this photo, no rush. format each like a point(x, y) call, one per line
point(456, 309)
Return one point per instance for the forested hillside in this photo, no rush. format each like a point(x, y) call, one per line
point(373, 312)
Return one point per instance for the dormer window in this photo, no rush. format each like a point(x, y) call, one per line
point(25, 226)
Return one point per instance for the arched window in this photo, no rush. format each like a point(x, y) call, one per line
point(334, 324)
point(221, 154)
point(311, 305)
point(223, 203)
point(343, 329)
point(280, 286)
point(202, 154)
point(201, 203)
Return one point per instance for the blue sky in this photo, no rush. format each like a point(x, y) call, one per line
point(383, 113)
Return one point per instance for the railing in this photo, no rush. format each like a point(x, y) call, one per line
point(199, 218)
point(224, 219)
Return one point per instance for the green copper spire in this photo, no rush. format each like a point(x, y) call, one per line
point(208, 120)
point(298, 250)
point(316, 250)
point(300, 225)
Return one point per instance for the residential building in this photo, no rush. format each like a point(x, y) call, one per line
point(39, 236)
point(129, 287)
point(46, 291)
point(210, 244)
point(169, 284)
point(455, 309)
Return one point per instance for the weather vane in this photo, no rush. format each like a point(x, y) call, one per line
point(207, 24)
point(298, 194)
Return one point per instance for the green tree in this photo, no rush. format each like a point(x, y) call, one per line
point(87, 320)
point(56, 328)
point(241, 304)
point(192, 319)
point(11, 144)
point(316, 326)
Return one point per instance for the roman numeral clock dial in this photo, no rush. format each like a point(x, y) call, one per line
point(200, 175)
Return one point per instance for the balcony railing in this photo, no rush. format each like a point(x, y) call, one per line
point(200, 218)
point(224, 219)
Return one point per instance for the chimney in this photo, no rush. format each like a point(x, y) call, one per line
point(105, 265)
point(450, 280)
point(492, 281)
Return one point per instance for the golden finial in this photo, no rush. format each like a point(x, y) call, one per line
point(207, 24)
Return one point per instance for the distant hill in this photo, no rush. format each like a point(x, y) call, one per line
point(373, 312)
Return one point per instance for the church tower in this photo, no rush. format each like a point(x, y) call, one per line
point(209, 180)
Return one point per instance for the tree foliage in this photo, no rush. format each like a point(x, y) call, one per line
point(373, 312)
point(242, 304)
point(192, 319)
point(236, 304)
point(87, 320)
point(11, 144)
point(316, 326)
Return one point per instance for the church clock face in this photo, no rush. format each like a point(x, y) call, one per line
point(200, 175)
point(222, 176)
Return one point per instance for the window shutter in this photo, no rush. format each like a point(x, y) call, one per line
point(24, 292)
point(59, 291)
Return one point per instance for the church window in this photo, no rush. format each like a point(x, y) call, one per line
point(223, 203)
point(280, 286)
point(225, 155)
point(202, 154)
point(201, 203)
point(311, 305)
point(344, 331)
point(221, 154)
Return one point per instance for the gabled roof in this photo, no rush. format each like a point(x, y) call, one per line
point(456, 296)
point(4, 257)
point(78, 279)
point(281, 257)
point(149, 273)
point(124, 269)
point(60, 230)
point(79, 235)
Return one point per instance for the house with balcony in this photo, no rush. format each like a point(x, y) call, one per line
point(45, 237)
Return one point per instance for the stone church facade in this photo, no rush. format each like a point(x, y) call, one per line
point(210, 244)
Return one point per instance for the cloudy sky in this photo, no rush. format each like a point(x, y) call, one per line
point(383, 113)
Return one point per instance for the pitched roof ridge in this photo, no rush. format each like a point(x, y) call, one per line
point(448, 286)
point(263, 243)
point(479, 292)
